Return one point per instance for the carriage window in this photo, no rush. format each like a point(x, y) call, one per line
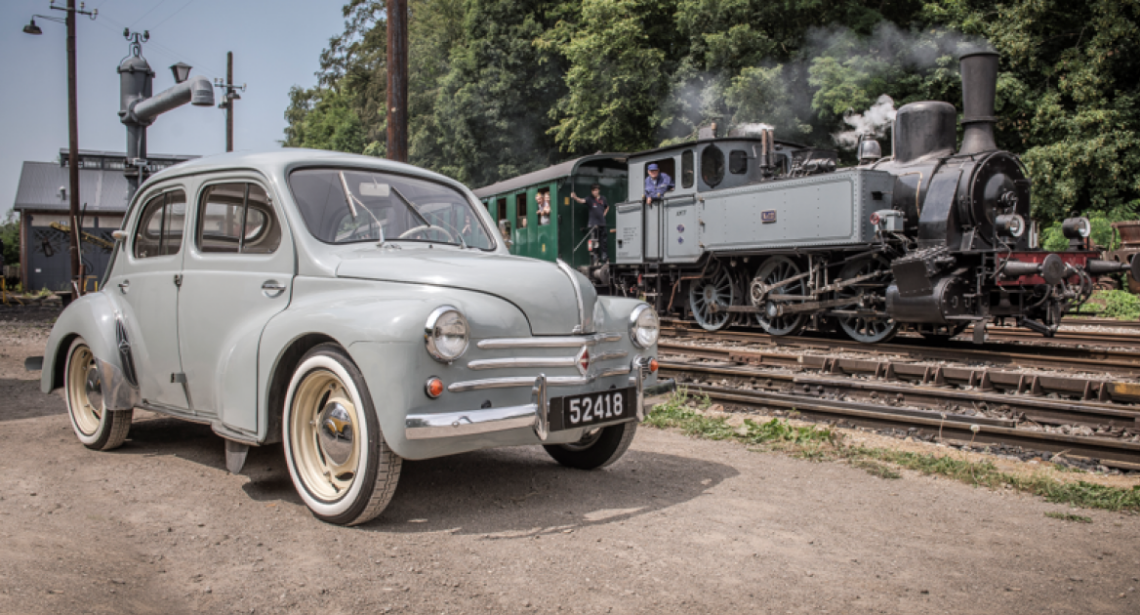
point(159, 231)
point(520, 210)
point(712, 166)
point(738, 162)
point(687, 173)
point(237, 218)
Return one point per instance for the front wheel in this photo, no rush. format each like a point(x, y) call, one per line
point(339, 462)
point(95, 426)
point(597, 449)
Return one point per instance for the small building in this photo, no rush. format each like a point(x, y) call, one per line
point(43, 203)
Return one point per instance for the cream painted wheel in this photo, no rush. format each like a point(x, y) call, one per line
point(337, 457)
point(95, 426)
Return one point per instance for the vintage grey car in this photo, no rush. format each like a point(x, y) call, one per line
point(357, 310)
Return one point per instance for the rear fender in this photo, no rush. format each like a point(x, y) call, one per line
point(93, 317)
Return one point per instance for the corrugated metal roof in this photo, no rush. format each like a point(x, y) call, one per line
point(559, 170)
point(40, 183)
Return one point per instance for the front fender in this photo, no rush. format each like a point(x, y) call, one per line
point(381, 326)
point(93, 317)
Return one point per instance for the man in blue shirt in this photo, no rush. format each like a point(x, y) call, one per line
point(657, 184)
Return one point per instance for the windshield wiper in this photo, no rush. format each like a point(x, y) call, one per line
point(412, 206)
point(351, 200)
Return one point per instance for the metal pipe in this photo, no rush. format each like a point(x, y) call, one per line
point(197, 91)
point(229, 102)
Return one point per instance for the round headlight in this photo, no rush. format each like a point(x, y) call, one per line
point(644, 328)
point(445, 334)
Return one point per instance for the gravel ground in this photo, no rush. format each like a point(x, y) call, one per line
point(678, 526)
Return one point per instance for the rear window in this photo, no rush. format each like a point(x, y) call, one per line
point(341, 206)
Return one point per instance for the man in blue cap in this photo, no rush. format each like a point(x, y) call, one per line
point(657, 184)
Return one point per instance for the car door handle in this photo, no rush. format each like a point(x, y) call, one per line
point(124, 286)
point(272, 288)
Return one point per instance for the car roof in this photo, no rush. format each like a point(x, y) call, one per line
point(285, 159)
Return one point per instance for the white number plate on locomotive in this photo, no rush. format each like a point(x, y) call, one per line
point(575, 411)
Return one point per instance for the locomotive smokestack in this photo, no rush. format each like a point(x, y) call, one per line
point(979, 88)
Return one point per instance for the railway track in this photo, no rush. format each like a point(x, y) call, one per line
point(1124, 361)
point(977, 416)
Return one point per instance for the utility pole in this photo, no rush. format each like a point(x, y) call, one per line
point(398, 80)
point(228, 99)
point(72, 131)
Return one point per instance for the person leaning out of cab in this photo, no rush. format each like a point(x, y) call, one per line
point(657, 184)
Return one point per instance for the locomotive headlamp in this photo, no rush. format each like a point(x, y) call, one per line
point(1010, 224)
point(644, 326)
point(1076, 228)
point(446, 334)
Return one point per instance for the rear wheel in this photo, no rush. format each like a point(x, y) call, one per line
point(714, 289)
point(95, 426)
point(597, 449)
point(339, 462)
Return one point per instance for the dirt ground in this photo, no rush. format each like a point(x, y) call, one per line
point(678, 526)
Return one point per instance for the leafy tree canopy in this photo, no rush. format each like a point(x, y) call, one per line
point(503, 87)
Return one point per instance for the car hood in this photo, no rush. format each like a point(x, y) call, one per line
point(542, 290)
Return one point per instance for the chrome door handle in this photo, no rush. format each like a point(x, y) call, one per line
point(124, 286)
point(272, 288)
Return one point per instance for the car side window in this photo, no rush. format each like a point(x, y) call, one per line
point(237, 218)
point(159, 231)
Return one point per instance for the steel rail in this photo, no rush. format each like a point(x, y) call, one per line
point(982, 430)
point(1051, 357)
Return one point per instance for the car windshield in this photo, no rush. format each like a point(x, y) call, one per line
point(348, 206)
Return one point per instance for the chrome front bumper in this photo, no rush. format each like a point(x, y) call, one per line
point(534, 415)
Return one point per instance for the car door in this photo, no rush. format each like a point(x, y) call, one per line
point(237, 273)
point(145, 279)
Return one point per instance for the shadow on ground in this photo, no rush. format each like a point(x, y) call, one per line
point(22, 399)
point(504, 493)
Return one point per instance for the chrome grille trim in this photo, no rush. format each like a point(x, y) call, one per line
point(573, 341)
point(526, 381)
point(525, 362)
point(522, 362)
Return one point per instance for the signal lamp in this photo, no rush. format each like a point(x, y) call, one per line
point(433, 387)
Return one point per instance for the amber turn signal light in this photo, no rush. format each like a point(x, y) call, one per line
point(653, 365)
point(433, 387)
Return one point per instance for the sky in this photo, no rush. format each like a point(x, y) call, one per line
point(276, 45)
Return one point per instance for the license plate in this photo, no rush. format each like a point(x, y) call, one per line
point(575, 411)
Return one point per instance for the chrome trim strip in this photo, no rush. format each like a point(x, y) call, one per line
point(542, 408)
point(608, 356)
point(523, 381)
point(449, 424)
point(521, 362)
point(549, 342)
point(566, 269)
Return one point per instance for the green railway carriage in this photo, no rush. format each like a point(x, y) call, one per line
point(513, 207)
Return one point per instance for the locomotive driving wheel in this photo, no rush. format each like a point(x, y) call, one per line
point(715, 288)
point(771, 279)
point(865, 320)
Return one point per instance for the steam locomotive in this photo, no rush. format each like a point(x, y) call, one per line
point(774, 234)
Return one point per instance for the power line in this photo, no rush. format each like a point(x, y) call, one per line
point(173, 14)
point(162, 2)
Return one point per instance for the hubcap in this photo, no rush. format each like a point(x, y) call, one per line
point(336, 433)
